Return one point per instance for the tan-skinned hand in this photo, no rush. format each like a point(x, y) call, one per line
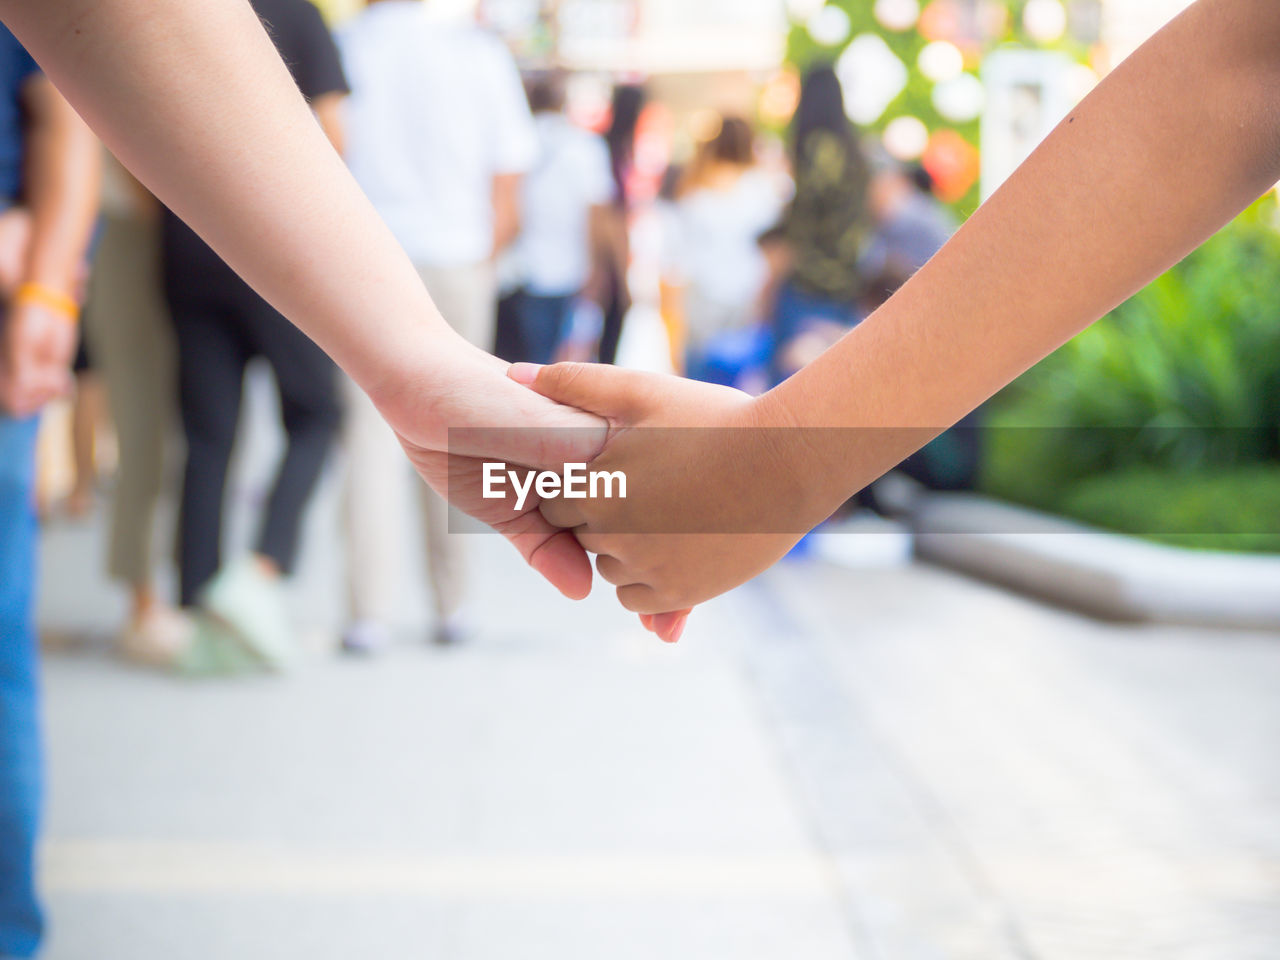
point(697, 457)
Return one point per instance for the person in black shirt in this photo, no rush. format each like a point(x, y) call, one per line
point(221, 324)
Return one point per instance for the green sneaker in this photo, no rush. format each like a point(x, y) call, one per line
point(214, 651)
point(250, 605)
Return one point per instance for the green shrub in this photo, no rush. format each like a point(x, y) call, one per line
point(1183, 377)
point(1237, 510)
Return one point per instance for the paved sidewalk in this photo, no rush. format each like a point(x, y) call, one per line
point(562, 786)
point(887, 764)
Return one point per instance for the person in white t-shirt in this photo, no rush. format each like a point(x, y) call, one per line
point(564, 210)
point(714, 273)
point(439, 136)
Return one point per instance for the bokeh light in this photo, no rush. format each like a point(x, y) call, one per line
point(830, 26)
point(906, 137)
point(872, 77)
point(1045, 20)
point(897, 15)
point(953, 163)
point(961, 99)
point(941, 61)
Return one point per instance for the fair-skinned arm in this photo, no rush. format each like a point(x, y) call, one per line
point(192, 97)
point(60, 185)
point(1166, 150)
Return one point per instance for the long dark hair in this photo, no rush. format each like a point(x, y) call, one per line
point(821, 108)
point(628, 103)
point(828, 223)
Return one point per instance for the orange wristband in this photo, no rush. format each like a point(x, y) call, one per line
point(55, 300)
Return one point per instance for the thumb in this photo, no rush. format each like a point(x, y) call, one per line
point(598, 388)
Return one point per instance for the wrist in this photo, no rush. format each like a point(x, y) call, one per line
point(839, 453)
point(48, 296)
point(799, 458)
point(406, 364)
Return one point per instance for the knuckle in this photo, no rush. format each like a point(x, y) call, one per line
point(565, 375)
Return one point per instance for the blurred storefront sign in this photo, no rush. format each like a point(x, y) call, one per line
point(1028, 93)
point(1126, 24)
point(642, 36)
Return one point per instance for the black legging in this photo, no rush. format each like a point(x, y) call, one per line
point(221, 325)
point(615, 315)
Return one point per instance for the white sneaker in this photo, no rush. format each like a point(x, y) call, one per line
point(251, 606)
point(157, 639)
point(451, 631)
point(366, 637)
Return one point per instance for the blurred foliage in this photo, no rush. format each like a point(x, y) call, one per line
point(916, 99)
point(1182, 380)
point(1233, 510)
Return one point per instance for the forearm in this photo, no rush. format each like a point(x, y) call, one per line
point(1174, 143)
point(254, 176)
point(61, 190)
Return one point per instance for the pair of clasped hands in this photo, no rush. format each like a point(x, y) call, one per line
point(706, 480)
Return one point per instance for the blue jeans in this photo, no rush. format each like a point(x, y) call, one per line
point(21, 923)
point(795, 312)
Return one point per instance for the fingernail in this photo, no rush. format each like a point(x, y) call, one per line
point(524, 373)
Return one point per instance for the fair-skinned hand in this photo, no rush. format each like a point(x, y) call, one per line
point(36, 348)
point(456, 410)
point(736, 486)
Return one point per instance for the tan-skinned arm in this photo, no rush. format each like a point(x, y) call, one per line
point(1166, 150)
point(1177, 141)
point(61, 177)
point(194, 100)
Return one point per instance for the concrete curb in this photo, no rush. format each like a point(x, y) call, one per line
point(1105, 574)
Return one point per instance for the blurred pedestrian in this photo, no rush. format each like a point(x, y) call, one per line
point(826, 228)
point(48, 166)
point(88, 418)
point(565, 208)
point(220, 325)
point(911, 225)
point(439, 137)
point(129, 331)
point(715, 272)
point(628, 103)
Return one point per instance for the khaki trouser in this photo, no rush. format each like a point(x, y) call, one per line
point(132, 344)
point(467, 297)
